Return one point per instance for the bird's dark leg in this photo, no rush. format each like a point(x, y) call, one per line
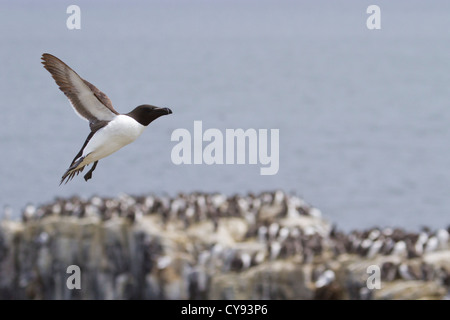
point(88, 175)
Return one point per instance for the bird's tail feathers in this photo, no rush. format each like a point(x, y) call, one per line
point(72, 171)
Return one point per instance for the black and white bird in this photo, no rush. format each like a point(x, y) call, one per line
point(110, 130)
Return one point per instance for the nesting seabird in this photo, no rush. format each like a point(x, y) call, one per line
point(110, 130)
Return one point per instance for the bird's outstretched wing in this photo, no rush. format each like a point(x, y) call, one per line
point(87, 101)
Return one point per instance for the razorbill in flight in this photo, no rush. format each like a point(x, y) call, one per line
point(110, 130)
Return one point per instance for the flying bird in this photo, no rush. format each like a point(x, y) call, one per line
point(110, 130)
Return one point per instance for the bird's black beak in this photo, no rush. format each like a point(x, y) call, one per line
point(163, 111)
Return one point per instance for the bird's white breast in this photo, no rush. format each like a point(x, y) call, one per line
point(119, 132)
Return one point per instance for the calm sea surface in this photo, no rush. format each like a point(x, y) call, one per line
point(364, 116)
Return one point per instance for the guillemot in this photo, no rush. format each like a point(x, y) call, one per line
point(110, 130)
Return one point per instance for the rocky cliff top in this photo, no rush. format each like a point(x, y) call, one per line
point(209, 246)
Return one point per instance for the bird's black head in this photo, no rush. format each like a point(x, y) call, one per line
point(144, 114)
